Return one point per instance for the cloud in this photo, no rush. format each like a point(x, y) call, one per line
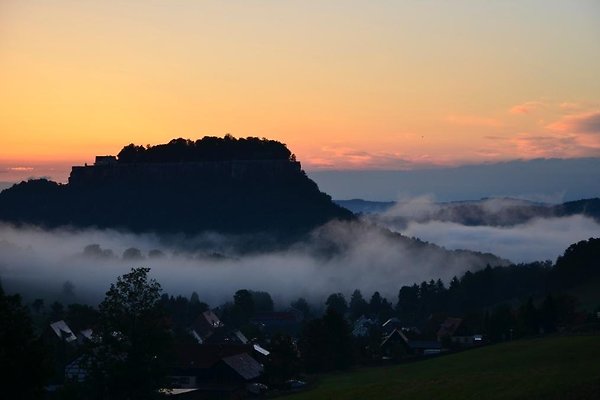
point(18, 170)
point(579, 123)
point(551, 145)
point(343, 157)
point(570, 106)
point(575, 135)
point(526, 108)
point(21, 169)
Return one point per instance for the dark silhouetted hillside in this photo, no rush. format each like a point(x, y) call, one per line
point(228, 185)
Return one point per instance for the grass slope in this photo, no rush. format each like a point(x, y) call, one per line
point(547, 368)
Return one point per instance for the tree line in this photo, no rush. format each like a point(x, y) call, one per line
point(209, 148)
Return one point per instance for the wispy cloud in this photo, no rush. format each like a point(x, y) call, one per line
point(342, 157)
point(579, 123)
point(20, 169)
point(549, 145)
point(526, 107)
point(562, 129)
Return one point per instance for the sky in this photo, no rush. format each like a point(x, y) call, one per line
point(348, 85)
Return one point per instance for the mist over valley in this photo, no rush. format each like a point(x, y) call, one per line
point(227, 216)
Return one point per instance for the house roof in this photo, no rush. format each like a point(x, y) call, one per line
point(259, 349)
point(449, 326)
point(223, 336)
point(176, 392)
point(196, 336)
point(205, 324)
point(87, 333)
point(244, 365)
point(212, 319)
point(391, 322)
point(62, 330)
point(395, 335)
point(193, 355)
point(240, 336)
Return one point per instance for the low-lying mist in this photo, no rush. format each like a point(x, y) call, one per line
point(537, 240)
point(37, 263)
point(489, 226)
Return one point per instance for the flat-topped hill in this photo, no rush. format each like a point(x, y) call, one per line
point(228, 185)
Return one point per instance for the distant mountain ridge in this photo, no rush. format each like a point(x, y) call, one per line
point(228, 185)
point(547, 180)
point(492, 212)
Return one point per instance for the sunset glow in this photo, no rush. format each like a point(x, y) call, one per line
point(346, 84)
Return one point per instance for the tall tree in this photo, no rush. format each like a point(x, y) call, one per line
point(130, 359)
point(337, 301)
point(262, 301)
point(326, 343)
point(302, 305)
point(358, 305)
point(243, 307)
point(22, 355)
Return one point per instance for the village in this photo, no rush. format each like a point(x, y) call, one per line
point(215, 360)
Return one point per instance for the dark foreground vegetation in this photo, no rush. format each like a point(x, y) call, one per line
point(140, 343)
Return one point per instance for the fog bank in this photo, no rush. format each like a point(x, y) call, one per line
point(341, 256)
point(538, 240)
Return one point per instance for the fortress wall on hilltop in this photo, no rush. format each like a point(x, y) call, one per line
point(157, 172)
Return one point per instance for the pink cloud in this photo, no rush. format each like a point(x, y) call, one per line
point(349, 158)
point(532, 146)
point(526, 108)
point(579, 123)
point(572, 135)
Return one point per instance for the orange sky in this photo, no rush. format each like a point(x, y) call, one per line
point(346, 84)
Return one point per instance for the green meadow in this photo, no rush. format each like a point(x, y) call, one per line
point(544, 368)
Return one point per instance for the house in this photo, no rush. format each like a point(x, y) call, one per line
point(77, 370)
point(395, 345)
point(214, 371)
point(425, 347)
point(282, 321)
point(390, 325)
point(205, 325)
point(459, 333)
point(239, 368)
point(224, 336)
point(63, 332)
point(362, 326)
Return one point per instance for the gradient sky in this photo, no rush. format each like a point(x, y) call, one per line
point(346, 84)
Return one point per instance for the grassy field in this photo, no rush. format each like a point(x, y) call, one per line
point(548, 368)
